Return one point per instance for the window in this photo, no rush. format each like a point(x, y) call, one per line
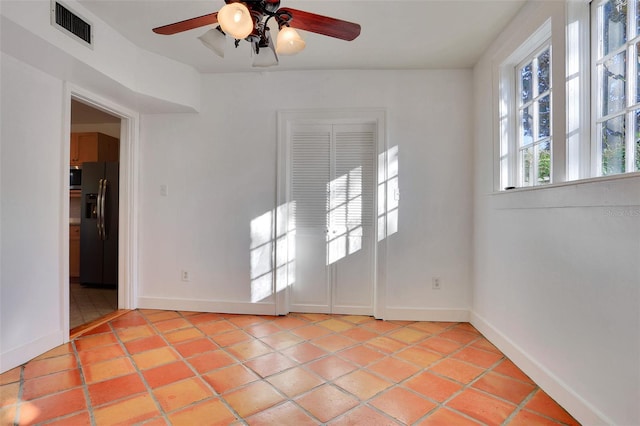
point(616, 52)
point(590, 125)
point(526, 138)
point(534, 118)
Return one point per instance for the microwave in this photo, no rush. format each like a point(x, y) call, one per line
point(75, 177)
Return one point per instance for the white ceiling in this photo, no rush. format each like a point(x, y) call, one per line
point(396, 34)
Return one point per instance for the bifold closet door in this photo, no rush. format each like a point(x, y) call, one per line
point(332, 184)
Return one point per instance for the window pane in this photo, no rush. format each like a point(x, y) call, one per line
point(544, 117)
point(613, 84)
point(613, 149)
point(615, 25)
point(526, 83)
point(526, 159)
point(637, 139)
point(637, 17)
point(543, 72)
point(526, 130)
point(638, 63)
point(543, 153)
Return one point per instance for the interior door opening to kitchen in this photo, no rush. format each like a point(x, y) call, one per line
point(93, 213)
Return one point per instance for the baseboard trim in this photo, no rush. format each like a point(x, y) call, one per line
point(206, 306)
point(18, 356)
point(429, 314)
point(580, 409)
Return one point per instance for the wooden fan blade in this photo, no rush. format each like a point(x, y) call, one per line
point(324, 25)
point(187, 24)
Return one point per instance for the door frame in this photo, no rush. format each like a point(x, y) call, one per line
point(287, 118)
point(128, 196)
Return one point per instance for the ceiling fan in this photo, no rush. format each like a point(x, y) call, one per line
point(248, 20)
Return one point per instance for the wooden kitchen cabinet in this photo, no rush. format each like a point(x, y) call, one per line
point(93, 146)
point(74, 250)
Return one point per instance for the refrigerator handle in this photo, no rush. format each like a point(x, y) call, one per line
point(103, 204)
point(99, 208)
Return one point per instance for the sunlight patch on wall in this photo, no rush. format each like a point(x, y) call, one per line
point(388, 193)
point(272, 235)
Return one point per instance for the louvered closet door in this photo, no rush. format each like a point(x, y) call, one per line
point(332, 182)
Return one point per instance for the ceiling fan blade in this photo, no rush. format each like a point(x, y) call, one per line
point(187, 24)
point(324, 25)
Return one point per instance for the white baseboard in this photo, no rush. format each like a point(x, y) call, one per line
point(580, 409)
point(172, 304)
point(429, 314)
point(18, 356)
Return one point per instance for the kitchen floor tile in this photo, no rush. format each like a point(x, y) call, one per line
point(504, 387)
point(145, 344)
point(109, 369)
point(457, 370)
point(446, 417)
point(253, 398)
point(51, 383)
point(157, 367)
point(362, 355)
point(331, 367)
point(304, 352)
point(110, 390)
point(327, 402)
point(295, 381)
point(41, 367)
point(269, 364)
point(209, 361)
point(228, 378)
point(363, 384)
point(283, 414)
point(51, 406)
point(432, 386)
point(363, 415)
point(194, 347)
point(403, 405)
point(543, 404)
point(167, 373)
point(394, 369)
point(180, 394)
point(482, 407)
point(127, 411)
point(155, 357)
point(210, 412)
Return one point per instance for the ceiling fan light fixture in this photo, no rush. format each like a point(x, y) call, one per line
point(289, 42)
point(215, 40)
point(236, 20)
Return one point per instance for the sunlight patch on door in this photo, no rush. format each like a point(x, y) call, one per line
point(344, 233)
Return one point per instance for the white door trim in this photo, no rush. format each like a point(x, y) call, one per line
point(128, 217)
point(285, 119)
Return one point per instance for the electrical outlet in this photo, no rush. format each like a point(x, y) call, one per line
point(185, 276)
point(435, 283)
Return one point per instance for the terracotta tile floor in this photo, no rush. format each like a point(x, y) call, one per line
point(156, 367)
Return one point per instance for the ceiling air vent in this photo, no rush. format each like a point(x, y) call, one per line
point(70, 22)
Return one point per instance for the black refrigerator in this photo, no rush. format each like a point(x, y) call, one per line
point(99, 224)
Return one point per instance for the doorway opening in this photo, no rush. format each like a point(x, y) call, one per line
point(93, 213)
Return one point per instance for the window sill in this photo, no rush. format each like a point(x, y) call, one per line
point(621, 191)
point(586, 181)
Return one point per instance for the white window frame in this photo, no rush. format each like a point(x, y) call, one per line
point(509, 121)
point(631, 48)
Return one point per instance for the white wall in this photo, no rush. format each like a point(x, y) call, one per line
point(220, 169)
point(30, 212)
point(556, 272)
